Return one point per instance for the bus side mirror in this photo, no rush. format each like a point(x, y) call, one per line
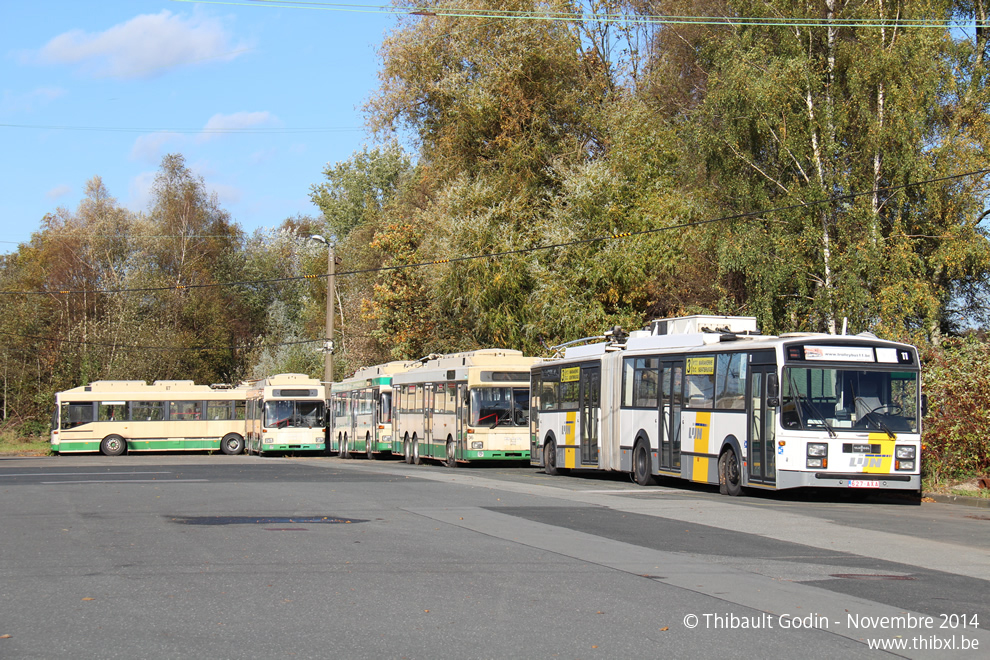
point(924, 405)
point(773, 391)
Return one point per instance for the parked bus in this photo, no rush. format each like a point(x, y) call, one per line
point(361, 411)
point(709, 400)
point(463, 407)
point(286, 412)
point(115, 416)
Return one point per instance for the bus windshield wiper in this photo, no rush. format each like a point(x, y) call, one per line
point(798, 402)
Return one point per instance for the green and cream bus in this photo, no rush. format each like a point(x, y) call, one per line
point(116, 416)
point(710, 400)
point(286, 412)
point(463, 407)
point(361, 411)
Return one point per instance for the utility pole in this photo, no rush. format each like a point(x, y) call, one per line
point(328, 341)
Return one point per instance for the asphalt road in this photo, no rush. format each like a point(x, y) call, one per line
point(171, 556)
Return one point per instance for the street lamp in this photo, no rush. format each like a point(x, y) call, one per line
point(328, 341)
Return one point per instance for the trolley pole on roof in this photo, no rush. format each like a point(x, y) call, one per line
point(328, 341)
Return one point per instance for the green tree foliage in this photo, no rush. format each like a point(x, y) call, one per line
point(957, 427)
point(855, 131)
point(129, 296)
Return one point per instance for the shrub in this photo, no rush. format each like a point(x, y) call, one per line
point(957, 427)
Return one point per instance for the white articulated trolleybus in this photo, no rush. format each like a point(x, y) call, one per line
point(361, 411)
point(114, 416)
point(706, 398)
point(286, 412)
point(464, 407)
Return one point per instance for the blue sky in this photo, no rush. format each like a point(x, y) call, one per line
point(107, 88)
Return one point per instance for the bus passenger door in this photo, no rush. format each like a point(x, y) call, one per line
point(461, 423)
point(589, 403)
point(671, 397)
point(427, 442)
point(762, 464)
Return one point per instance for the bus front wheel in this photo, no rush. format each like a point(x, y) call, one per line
point(369, 448)
point(451, 455)
point(406, 451)
point(232, 444)
point(729, 475)
point(416, 458)
point(550, 459)
point(113, 445)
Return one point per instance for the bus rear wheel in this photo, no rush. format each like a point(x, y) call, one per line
point(406, 451)
point(416, 458)
point(113, 445)
point(729, 474)
point(344, 453)
point(232, 444)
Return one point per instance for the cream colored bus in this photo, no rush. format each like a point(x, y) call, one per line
point(116, 416)
point(463, 407)
point(286, 412)
point(361, 411)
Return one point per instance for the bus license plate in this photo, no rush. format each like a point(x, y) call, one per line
point(854, 483)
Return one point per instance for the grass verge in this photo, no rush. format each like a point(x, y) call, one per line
point(13, 445)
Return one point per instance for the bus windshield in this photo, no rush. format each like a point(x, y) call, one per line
point(499, 406)
point(298, 414)
point(849, 400)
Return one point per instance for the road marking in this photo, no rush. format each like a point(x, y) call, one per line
point(73, 474)
point(123, 481)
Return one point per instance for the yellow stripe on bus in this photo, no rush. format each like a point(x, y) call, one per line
point(882, 462)
point(570, 453)
point(702, 427)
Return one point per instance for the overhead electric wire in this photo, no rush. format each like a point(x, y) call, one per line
point(539, 248)
point(188, 131)
point(646, 19)
point(162, 348)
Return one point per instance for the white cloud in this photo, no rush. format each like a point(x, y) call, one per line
point(219, 124)
point(139, 191)
point(28, 101)
point(58, 191)
point(148, 148)
point(226, 194)
point(145, 46)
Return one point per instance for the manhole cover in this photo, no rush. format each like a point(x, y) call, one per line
point(263, 520)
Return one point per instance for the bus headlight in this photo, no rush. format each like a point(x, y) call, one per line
point(817, 455)
point(905, 456)
point(905, 452)
point(477, 445)
point(268, 441)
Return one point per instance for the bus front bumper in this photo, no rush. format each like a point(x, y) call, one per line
point(864, 481)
